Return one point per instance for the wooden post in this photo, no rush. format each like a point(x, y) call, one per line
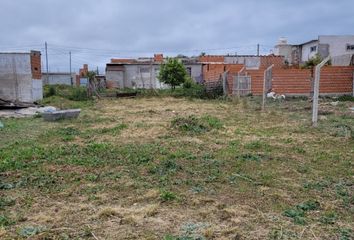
point(316, 91)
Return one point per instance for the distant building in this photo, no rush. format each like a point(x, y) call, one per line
point(60, 78)
point(339, 47)
point(143, 72)
point(81, 79)
point(21, 77)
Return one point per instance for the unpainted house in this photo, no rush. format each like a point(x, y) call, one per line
point(21, 76)
point(60, 78)
point(339, 47)
point(143, 72)
point(81, 79)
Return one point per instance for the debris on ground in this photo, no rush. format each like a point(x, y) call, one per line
point(25, 112)
point(6, 104)
point(334, 104)
point(1, 125)
point(63, 114)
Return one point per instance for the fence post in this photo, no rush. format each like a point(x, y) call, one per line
point(264, 86)
point(238, 80)
point(353, 85)
point(316, 91)
point(224, 83)
point(238, 84)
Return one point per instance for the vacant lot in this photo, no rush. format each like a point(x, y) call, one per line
point(167, 168)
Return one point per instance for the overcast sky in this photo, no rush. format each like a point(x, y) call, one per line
point(97, 30)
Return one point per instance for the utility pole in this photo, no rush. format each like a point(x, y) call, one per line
point(257, 49)
point(71, 76)
point(46, 61)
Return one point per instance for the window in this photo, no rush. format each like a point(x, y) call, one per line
point(350, 47)
point(313, 49)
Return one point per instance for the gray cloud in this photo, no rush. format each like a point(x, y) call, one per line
point(96, 30)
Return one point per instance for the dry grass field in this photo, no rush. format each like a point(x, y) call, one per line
point(177, 168)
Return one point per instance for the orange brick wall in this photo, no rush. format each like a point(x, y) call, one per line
point(212, 72)
point(158, 58)
point(36, 67)
point(212, 58)
point(267, 61)
point(256, 80)
point(336, 80)
point(292, 81)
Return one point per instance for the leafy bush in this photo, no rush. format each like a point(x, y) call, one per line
point(65, 91)
point(193, 124)
point(166, 196)
point(346, 98)
point(313, 62)
point(188, 83)
point(5, 221)
point(328, 218)
point(298, 213)
point(51, 91)
point(78, 94)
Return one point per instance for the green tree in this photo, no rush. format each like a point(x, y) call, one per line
point(173, 73)
point(313, 62)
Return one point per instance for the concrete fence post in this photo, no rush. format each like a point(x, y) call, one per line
point(353, 86)
point(224, 83)
point(265, 85)
point(316, 91)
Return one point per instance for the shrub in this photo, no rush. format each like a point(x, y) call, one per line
point(298, 213)
point(188, 83)
point(5, 221)
point(78, 94)
point(166, 196)
point(328, 218)
point(193, 124)
point(346, 98)
point(50, 92)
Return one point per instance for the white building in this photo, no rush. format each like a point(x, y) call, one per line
point(339, 47)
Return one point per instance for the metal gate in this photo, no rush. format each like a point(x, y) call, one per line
point(242, 85)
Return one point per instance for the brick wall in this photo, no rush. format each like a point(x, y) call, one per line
point(122, 60)
point(36, 65)
point(336, 80)
point(292, 81)
point(212, 58)
point(158, 58)
point(212, 72)
point(256, 80)
point(83, 71)
point(267, 61)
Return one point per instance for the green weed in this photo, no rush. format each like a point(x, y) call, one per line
point(195, 125)
point(167, 196)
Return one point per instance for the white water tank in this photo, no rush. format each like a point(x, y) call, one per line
point(283, 41)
